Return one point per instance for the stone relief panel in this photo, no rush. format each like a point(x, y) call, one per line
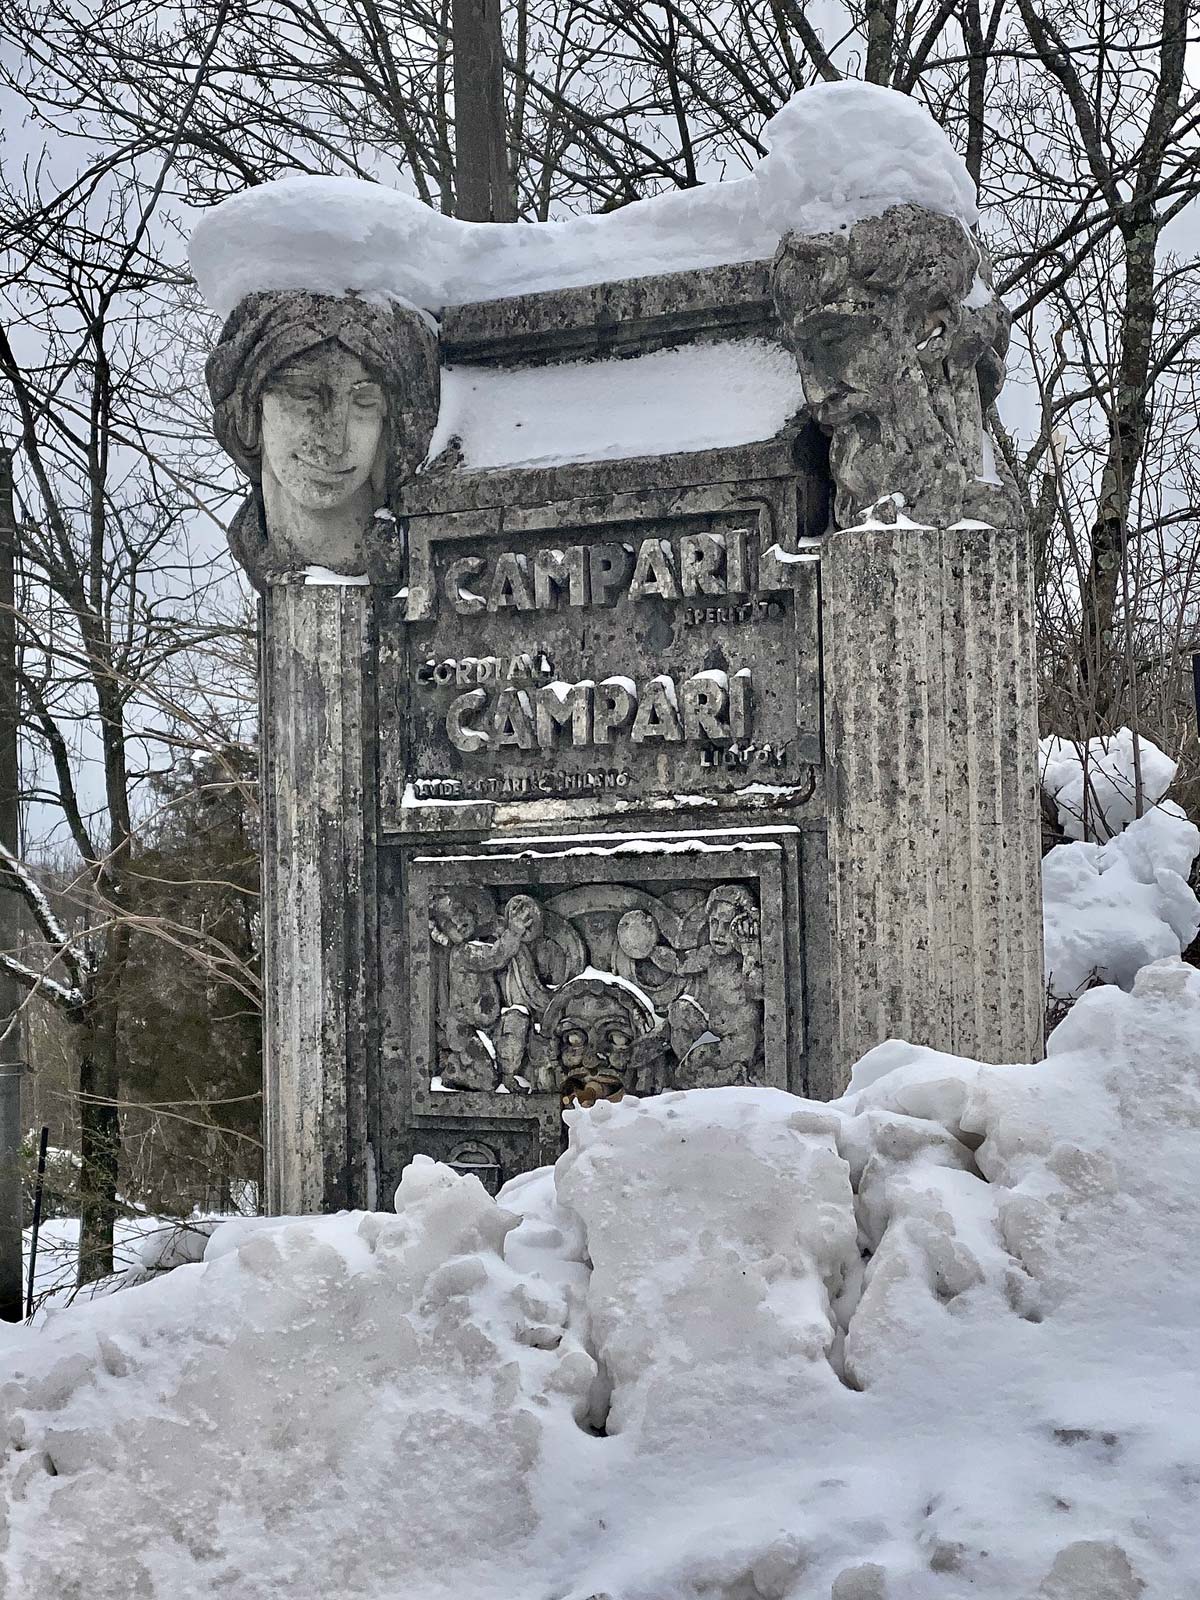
point(900, 340)
point(594, 990)
point(327, 404)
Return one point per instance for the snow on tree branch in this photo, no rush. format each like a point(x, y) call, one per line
point(69, 996)
point(50, 927)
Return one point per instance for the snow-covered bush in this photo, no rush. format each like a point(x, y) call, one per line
point(1117, 896)
point(1094, 782)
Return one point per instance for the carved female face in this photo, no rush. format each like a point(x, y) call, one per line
point(731, 919)
point(327, 403)
point(323, 416)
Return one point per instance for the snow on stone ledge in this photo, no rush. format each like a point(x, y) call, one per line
point(837, 153)
point(698, 397)
point(322, 577)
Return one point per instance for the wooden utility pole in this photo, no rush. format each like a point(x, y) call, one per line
point(481, 179)
point(11, 1065)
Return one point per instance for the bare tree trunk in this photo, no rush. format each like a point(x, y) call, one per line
point(99, 1151)
point(1129, 417)
point(10, 920)
point(481, 172)
point(972, 26)
point(881, 36)
point(99, 1114)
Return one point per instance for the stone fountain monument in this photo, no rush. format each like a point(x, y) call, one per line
point(648, 695)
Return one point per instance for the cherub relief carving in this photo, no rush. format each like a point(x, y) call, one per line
point(716, 1025)
point(644, 955)
point(470, 1003)
point(540, 996)
point(495, 980)
point(548, 953)
point(327, 403)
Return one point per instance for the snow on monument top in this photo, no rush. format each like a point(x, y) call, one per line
point(838, 153)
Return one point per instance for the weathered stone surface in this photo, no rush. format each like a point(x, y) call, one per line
point(578, 967)
point(630, 775)
point(931, 711)
point(631, 314)
point(610, 645)
point(802, 452)
point(315, 656)
point(900, 341)
point(598, 990)
point(326, 405)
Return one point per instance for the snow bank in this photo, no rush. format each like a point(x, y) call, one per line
point(837, 153)
point(1109, 908)
point(934, 1339)
point(699, 397)
point(142, 1247)
point(322, 1408)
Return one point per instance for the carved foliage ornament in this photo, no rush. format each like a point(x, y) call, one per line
point(327, 404)
point(900, 341)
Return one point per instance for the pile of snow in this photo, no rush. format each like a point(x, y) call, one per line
point(1108, 909)
point(699, 397)
point(1117, 897)
point(839, 152)
point(934, 1339)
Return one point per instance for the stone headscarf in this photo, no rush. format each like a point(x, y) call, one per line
point(268, 329)
point(273, 327)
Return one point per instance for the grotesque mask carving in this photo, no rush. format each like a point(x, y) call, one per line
point(591, 1029)
point(900, 341)
point(326, 404)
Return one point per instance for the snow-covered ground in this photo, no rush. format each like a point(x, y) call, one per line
point(936, 1339)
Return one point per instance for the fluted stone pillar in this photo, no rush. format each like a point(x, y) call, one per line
point(314, 643)
point(931, 712)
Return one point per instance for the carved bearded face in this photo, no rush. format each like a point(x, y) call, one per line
point(323, 418)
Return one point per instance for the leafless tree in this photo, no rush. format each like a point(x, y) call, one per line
point(113, 608)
